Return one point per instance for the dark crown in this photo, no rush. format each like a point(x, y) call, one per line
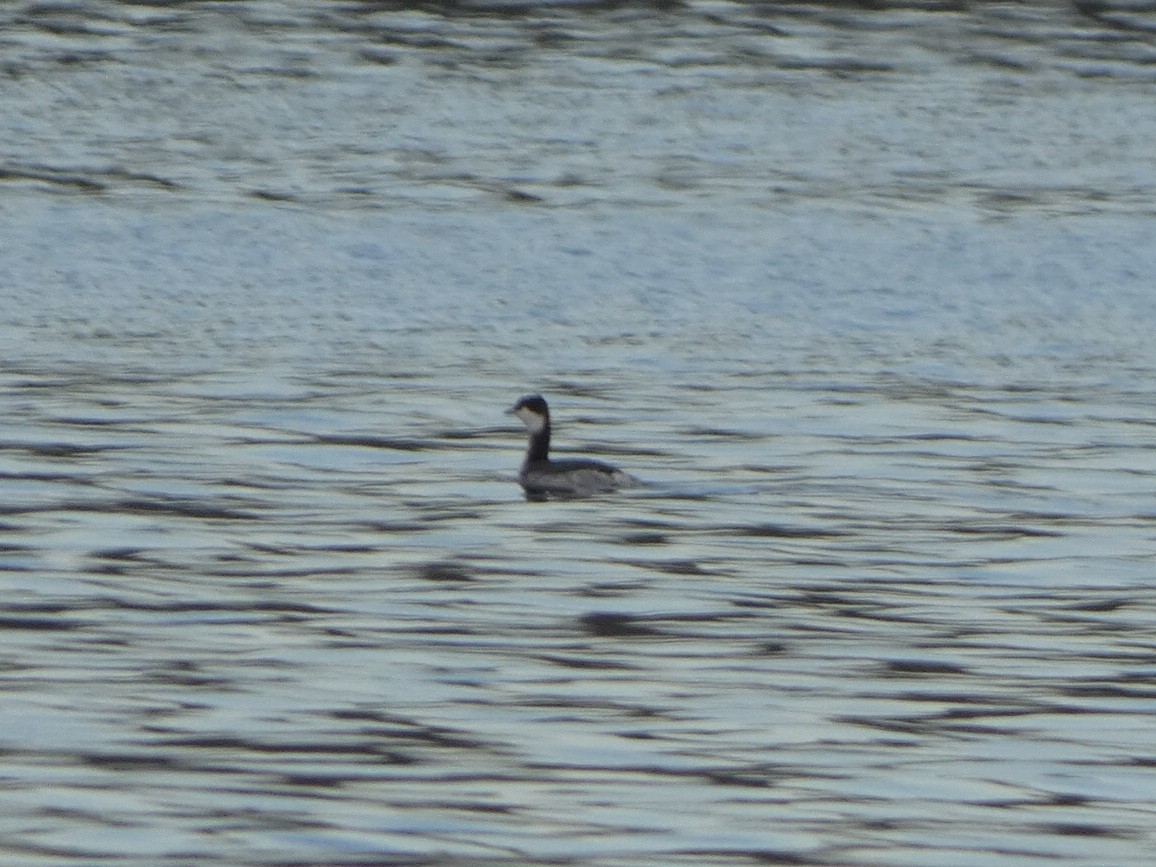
point(533, 402)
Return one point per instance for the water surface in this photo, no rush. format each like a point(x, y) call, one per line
point(863, 294)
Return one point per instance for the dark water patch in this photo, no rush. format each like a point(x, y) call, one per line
point(373, 441)
point(770, 648)
point(264, 575)
point(316, 781)
point(183, 507)
point(940, 437)
point(383, 725)
point(929, 727)
point(1080, 829)
point(53, 177)
point(997, 533)
point(191, 678)
point(751, 856)
point(522, 197)
point(378, 56)
point(346, 548)
point(586, 663)
point(98, 421)
point(1143, 692)
point(676, 493)
point(571, 709)
point(444, 572)
point(611, 590)
point(998, 61)
point(85, 180)
point(724, 433)
point(186, 675)
point(839, 66)
point(672, 567)
point(485, 434)
point(1044, 799)
point(644, 538)
point(1101, 606)
point(124, 177)
point(608, 624)
point(59, 449)
point(923, 667)
point(776, 531)
point(121, 555)
point(1132, 18)
point(40, 624)
point(275, 196)
point(150, 762)
point(469, 636)
point(231, 744)
point(400, 528)
point(1059, 519)
point(87, 381)
point(188, 606)
point(279, 549)
point(746, 777)
point(761, 600)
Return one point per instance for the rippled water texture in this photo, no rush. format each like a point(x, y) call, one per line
point(864, 293)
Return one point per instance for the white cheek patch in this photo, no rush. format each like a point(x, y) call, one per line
point(531, 420)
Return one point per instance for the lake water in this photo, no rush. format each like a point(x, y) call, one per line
point(864, 293)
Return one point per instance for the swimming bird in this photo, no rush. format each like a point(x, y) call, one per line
point(542, 478)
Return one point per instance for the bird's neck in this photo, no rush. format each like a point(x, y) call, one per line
point(539, 445)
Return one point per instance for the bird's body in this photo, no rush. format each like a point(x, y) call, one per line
point(543, 478)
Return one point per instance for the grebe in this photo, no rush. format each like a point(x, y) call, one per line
point(542, 478)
